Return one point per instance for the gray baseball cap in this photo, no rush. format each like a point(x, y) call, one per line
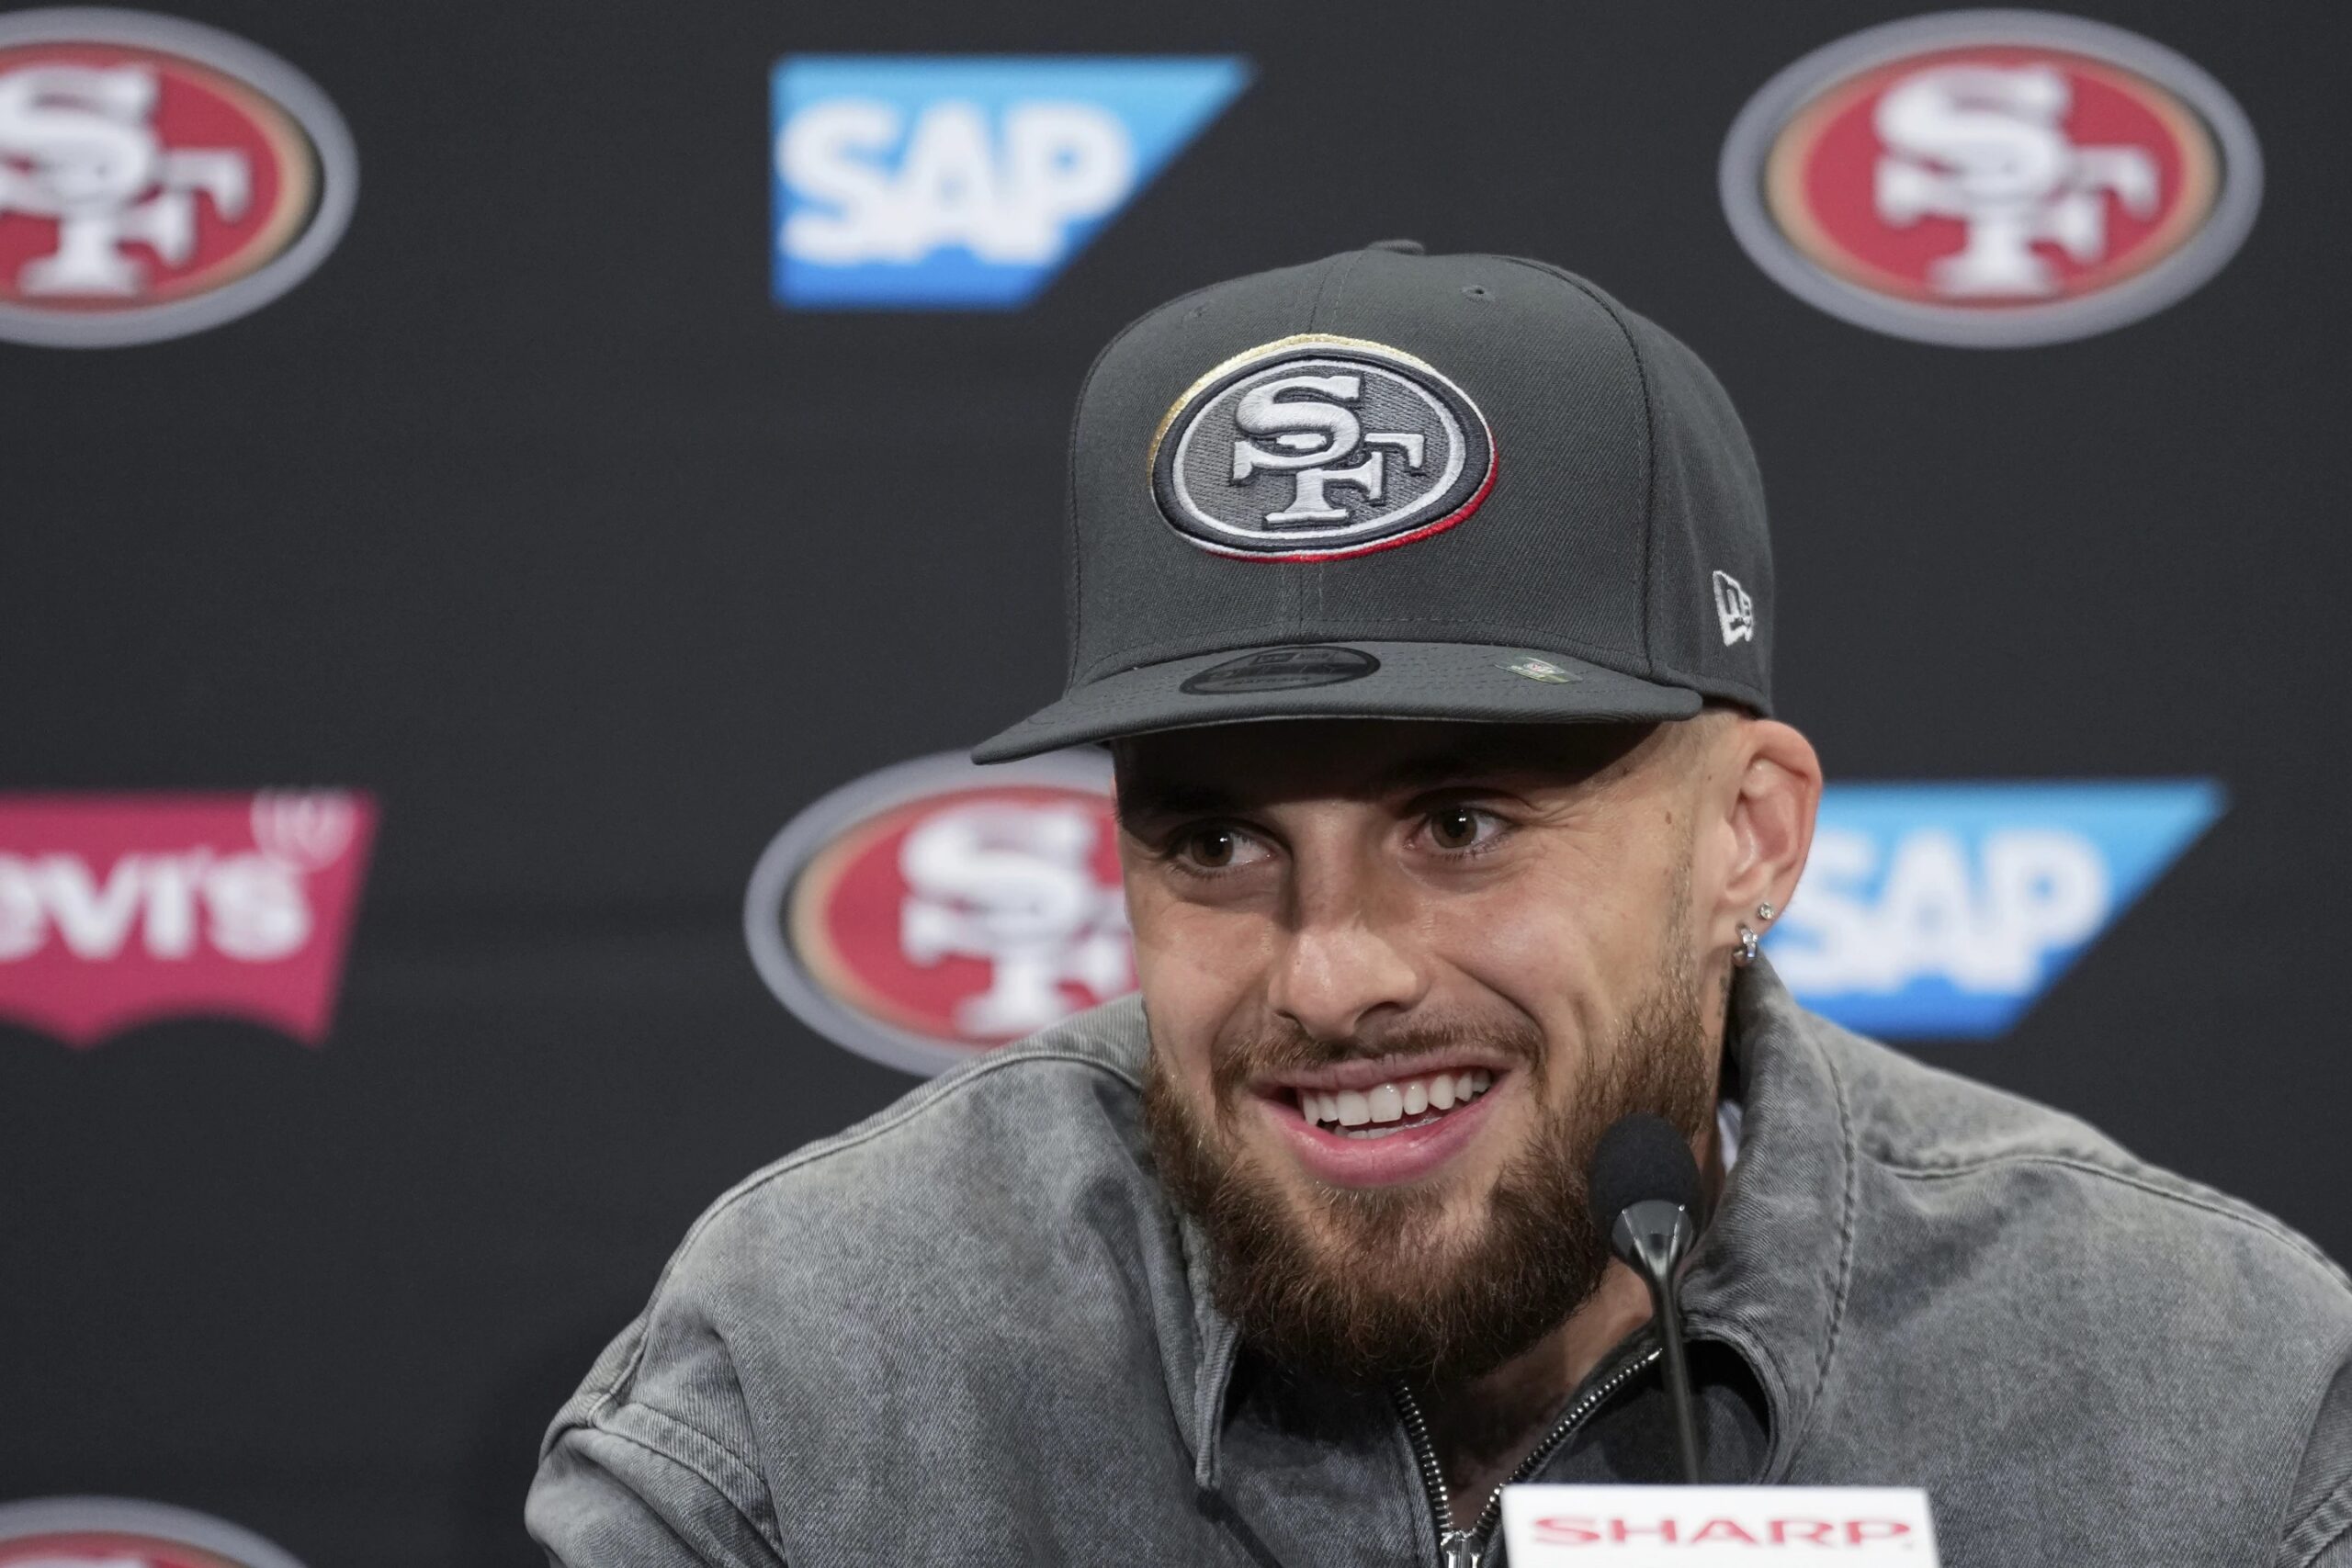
point(1393, 485)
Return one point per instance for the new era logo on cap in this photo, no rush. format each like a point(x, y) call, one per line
point(1735, 612)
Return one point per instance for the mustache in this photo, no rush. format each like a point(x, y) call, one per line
point(1284, 1046)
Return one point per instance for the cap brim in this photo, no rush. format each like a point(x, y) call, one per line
point(1474, 682)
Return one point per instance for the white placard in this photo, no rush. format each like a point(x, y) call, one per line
point(1697, 1527)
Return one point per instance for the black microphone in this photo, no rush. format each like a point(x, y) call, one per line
point(1645, 1189)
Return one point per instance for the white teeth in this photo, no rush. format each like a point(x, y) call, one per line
point(1376, 1110)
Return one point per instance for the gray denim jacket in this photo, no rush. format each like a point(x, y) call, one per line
point(969, 1330)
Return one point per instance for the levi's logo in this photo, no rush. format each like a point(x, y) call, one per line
point(120, 910)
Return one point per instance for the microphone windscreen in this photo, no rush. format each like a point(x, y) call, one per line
point(1641, 1158)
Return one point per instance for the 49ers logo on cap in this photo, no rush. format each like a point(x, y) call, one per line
point(1315, 448)
point(123, 1532)
point(932, 910)
point(156, 177)
point(1992, 178)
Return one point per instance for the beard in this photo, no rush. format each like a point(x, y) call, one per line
point(1367, 1285)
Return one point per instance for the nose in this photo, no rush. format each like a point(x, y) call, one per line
point(1339, 971)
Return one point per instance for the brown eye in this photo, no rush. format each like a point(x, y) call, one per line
point(1211, 847)
point(1453, 827)
point(1208, 849)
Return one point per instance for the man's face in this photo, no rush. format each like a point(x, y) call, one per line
point(1400, 976)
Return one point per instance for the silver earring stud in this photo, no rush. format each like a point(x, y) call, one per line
point(1764, 911)
point(1744, 954)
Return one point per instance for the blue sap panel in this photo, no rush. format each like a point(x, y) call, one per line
point(1944, 911)
point(966, 183)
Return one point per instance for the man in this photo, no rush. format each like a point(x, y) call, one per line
point(1426, 603)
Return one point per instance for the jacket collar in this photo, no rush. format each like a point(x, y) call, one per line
point(1771, 1272)
point(1768, 1277)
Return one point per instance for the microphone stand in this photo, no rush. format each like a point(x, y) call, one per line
point(1655, 1235)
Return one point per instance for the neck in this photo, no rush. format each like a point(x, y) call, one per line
point(1483, 1426)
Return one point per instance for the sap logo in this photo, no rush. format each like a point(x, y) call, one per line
point(1943, 912)
point(948, 182)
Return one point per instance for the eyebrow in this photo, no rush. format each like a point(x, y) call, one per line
point(1454, 764)
point(1134, 802)
point(1139, 799)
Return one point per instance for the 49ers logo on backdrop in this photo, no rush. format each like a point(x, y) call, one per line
point(120, 910)
point(123, 1532)
point(156, 177)
point(1992, 178)
point(935, 909)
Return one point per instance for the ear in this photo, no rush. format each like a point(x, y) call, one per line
point(1775, 794)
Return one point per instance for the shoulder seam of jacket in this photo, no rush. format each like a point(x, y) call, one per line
point(2333, 1514)
point(2187, 1196)
point(605, 1428)
point(889, 1121)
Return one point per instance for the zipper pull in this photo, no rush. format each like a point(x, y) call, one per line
point(1459, 1549)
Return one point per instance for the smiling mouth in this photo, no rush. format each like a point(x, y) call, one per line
point(1388, 1108)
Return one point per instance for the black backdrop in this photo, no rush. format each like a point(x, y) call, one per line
point(532, 515)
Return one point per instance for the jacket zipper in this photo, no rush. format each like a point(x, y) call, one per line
point(1467, 1548)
